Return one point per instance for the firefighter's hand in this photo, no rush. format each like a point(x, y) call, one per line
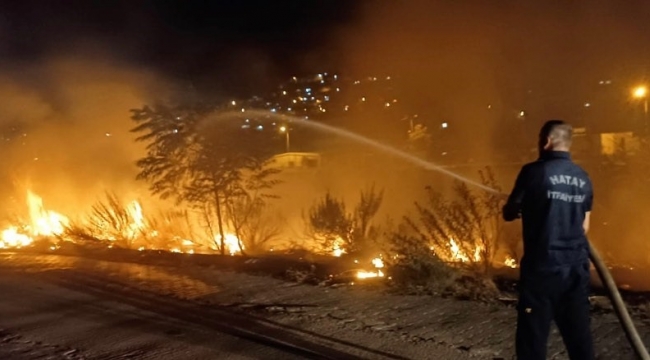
point(511, 212)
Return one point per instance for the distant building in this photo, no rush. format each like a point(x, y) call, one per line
point(587, 143)
point(293, 160)
point(623, 143)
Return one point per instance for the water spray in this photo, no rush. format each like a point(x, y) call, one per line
point(603, 272)
point(387, 149)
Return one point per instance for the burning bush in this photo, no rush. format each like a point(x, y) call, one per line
point(176, 230)
point(465, 230)
point(414, 265)
point(110, 220)
point(125, 225)
point(450, 245)
point(340, 231)
point(417, 269)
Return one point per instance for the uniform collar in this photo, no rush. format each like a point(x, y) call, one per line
point(547, 155)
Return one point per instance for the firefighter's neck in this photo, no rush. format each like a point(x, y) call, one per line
point(559, 148)
point(550, 149)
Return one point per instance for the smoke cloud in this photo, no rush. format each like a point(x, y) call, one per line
point(65, 125)
point(478, 64)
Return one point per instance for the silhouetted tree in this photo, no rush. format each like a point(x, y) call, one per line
point(198, 155)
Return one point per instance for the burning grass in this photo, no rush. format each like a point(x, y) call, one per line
point(413, 261)
point(113, 223)
point(41, 223)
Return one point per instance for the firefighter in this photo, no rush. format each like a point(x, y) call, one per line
point(553, 197)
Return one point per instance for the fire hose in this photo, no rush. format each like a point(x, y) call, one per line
point(619, 306)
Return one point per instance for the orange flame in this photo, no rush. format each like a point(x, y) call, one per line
point(369, 274)
point(231, 243)
point(378, 262)
point(44, 222)
point(510, 262)
point(134, 209)
point(47, 223)
point(458, 255)
point(11, 238)
point(337, 249)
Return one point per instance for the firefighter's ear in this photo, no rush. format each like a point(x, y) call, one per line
point(548, 144)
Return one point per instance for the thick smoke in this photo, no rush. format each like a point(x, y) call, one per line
point(65, 125)
point(478, 64)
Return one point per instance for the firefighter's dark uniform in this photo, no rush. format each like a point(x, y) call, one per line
point(552, 196)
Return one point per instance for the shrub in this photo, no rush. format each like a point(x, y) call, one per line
point(111, 220)
point(329, 222)
point(448, 247)
point(125, 226)
point(418, 270)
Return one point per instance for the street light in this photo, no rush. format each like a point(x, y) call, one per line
point(641, 92)
point(285, 130)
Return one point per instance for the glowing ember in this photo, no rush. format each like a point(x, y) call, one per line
point(369, 274)
point(11, 238)
point(510, 262)
point(378, 262)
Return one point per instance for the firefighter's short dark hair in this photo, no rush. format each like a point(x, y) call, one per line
point(559, 132)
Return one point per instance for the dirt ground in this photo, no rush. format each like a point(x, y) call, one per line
point(361, 319)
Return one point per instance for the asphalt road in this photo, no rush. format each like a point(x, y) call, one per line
point(64, 315)
point(58, 307)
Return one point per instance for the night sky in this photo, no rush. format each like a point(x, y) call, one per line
point(212, 45)
point(457, 57)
